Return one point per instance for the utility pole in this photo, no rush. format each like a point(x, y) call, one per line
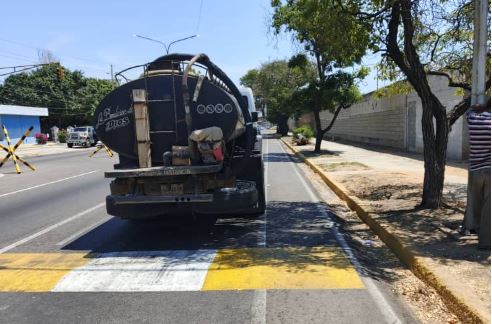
point(112, 75)
point(479, 52)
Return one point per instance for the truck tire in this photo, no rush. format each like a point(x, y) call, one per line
point(70, 145)
point(255, 172)
point(260, 186)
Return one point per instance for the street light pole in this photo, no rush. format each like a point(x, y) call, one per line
point(479, 52)
point(167, 47)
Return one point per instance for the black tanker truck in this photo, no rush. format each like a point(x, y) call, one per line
point(185, 139)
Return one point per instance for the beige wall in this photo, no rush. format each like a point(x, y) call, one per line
point(396, 121)
point(380, 122)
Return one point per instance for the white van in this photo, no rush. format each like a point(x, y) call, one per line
point(247, 94)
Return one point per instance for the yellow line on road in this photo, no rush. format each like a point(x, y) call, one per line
point(36, 272)
point(282, 268)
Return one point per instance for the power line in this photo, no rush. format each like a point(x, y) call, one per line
point(42, 48)
point(15, 58)
point(199, 17)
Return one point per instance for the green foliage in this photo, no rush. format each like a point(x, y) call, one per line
point(304, 130)
point(62, 136)
point(335, 40)
point(443, 36)
point(273, 85)
point(338, 89)
point(396, 88)
point(71, 99)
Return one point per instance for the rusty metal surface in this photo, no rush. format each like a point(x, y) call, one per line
point(164, 171)
point(123, 200)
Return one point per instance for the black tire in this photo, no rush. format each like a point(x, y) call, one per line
point(70, 145)
point(255, 172)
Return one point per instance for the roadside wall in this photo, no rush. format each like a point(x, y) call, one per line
point(396, 121)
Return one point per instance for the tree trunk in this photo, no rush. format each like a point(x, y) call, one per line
point(435, 145)
point(319, 132)
point(282, 126)
point(435, 140)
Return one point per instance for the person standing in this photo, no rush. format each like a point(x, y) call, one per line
point(477, 214)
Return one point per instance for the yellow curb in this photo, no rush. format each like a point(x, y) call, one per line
point(416, 263)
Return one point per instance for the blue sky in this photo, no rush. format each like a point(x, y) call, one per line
point(90, 35)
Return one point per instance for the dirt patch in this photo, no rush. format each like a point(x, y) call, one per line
point(394, 200)
point(344, 166)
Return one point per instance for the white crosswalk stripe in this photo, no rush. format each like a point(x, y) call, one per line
point(141, 271)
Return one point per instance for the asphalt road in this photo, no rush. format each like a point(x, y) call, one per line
point(63, 259)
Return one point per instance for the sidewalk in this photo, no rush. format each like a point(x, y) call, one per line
point(384, 187)
point(30, 150)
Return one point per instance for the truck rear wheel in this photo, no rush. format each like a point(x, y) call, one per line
point(255, 173)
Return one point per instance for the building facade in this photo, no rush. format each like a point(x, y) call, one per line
point(18, 119)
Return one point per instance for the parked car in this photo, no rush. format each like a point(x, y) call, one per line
point(82, 136)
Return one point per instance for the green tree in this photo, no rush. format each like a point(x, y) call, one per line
point(421, 38)
point(273, 84)
point(70, 97)
point(335, 41)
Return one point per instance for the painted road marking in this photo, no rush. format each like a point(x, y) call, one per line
point(141, 271)
point(282, 268)
point(46, 184)
point(36, 272)
point(50, 228)
point(373, 290)
point(180, 270)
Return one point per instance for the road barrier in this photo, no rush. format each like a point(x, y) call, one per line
point(11, 150)
point(101, 146)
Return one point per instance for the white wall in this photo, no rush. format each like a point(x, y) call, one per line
point(389, 122)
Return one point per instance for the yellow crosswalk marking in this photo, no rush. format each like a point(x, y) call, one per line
point(36, 272)
point(282, 268)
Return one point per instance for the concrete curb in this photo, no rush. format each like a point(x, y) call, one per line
point(417, 264)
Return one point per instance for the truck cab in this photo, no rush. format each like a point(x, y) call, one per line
point(82, 136)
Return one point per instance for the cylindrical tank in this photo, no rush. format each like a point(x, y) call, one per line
point(212, 105)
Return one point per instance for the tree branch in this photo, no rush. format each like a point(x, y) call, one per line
point(392, 39)
point(364, 15)
point(451, 82)
point(335, 115)
point(433, 52)
point(458, 110)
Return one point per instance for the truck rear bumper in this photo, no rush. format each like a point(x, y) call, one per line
point(221, 202)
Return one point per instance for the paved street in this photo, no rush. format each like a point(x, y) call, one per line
point(63, 259)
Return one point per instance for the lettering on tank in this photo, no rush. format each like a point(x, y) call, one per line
point(114, 120)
